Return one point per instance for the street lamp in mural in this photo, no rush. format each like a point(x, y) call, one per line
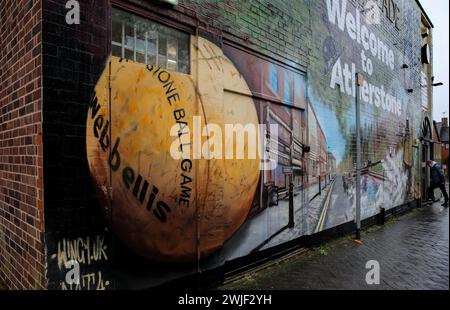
point(411, 90)
point(359, 79)
point(404, 130)
point(406, 140)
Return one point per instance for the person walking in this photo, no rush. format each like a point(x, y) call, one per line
point(344, 183)
point(437, 180)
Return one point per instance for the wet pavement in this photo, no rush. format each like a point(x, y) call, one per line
point(412, 251)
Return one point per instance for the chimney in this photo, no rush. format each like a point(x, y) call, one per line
point(444, 122)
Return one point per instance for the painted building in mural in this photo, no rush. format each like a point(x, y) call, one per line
point(172, 135)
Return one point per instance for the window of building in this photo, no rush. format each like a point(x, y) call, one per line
point(141, 40)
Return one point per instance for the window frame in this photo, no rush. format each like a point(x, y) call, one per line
point(152, 17)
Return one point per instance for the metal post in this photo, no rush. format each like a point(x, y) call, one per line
point(320, 186)
point(291, 205)
point(427, 169)
point(358, 79)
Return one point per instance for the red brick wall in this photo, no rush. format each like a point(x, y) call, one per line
point(22, 260)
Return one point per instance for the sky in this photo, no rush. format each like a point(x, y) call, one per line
point(438, 11)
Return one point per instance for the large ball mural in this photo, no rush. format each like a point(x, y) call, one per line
point(168, 208)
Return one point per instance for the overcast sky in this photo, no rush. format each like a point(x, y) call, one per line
point(438, 11)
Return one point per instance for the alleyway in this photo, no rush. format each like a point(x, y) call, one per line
point(412, 250)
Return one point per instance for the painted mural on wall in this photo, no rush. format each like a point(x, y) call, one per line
point(205, 207)
point(164, 208)
point(182, 209)
point(349, 42)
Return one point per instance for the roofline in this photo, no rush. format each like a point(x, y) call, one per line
point(317, 121)
point(424, 13)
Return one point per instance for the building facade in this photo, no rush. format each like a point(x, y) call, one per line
point(100, 166)
point(443, 150)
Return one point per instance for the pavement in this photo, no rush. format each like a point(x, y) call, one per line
point(412, 252)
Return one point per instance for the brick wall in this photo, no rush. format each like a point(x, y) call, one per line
point(73, 58)
point(22, 260)
point(279, 29)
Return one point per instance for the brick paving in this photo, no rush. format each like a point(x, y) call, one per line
point(412, 250)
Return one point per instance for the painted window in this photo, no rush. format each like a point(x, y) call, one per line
point(273, 73)
point(287, 90)
point(142, 40)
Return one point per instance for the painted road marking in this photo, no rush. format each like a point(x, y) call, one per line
point(322, 217)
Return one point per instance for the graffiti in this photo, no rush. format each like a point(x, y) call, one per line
point(91, 281)
point(84, 251)
point(73, 255)
point(396, 179)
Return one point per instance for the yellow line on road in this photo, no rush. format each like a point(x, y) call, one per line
point(322, 217)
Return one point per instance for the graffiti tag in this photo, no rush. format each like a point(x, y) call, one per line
point(73, 254)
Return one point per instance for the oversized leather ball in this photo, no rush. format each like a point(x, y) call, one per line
point(166, 207)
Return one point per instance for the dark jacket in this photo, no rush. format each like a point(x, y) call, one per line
point(437, 174)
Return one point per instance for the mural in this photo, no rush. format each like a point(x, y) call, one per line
point(158, 145)
point(387, 110)
point(167, 209)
